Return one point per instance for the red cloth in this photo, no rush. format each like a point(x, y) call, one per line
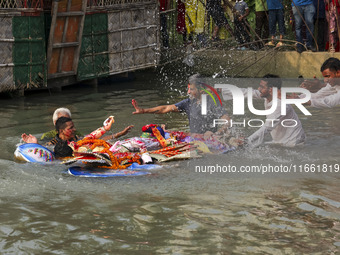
point(148, 128)
point(163, 5)
point(334, 2)
point(180, 26)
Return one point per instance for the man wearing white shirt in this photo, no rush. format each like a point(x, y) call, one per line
point(320, 89)
point(288, 134)
point(324, 92)
point(328, 96)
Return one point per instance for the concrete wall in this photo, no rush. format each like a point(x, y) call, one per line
point(287, 64)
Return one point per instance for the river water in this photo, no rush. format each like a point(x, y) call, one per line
point(176, 210)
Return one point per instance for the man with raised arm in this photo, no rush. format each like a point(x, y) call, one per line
point(328, 95)
point(199, 123)
point(320, 88)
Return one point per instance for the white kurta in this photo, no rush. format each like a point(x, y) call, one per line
point(323, 92)
point(286, 131)
point(285, 136)
point(327, 101)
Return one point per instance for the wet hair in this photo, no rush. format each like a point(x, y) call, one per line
point(61, 149)
point(333, 64)
point(195, 80)
point(61, 123)
point(59, 111)
point(272, 81)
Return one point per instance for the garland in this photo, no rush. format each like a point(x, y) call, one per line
point(118, 159)
point(98, 142)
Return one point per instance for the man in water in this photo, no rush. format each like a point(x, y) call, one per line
point(328, 95)
point(200, 124)
point(60, 112)
point(66, 132)
point(286, 130)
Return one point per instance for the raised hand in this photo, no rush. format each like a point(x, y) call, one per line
point(108, 123)
point(125, 130)
point(29, 138)
point(138, 109)
point(312, 85)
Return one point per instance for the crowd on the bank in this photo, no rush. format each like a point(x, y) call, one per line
point(315, 22)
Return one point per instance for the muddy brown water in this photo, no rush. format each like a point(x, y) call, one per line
point(176, 210)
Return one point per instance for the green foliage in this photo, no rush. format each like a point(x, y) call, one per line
point(251, 17)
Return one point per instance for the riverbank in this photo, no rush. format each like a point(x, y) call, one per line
point(236, 63)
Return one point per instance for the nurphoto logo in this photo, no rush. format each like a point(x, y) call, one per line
point(238, 100)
